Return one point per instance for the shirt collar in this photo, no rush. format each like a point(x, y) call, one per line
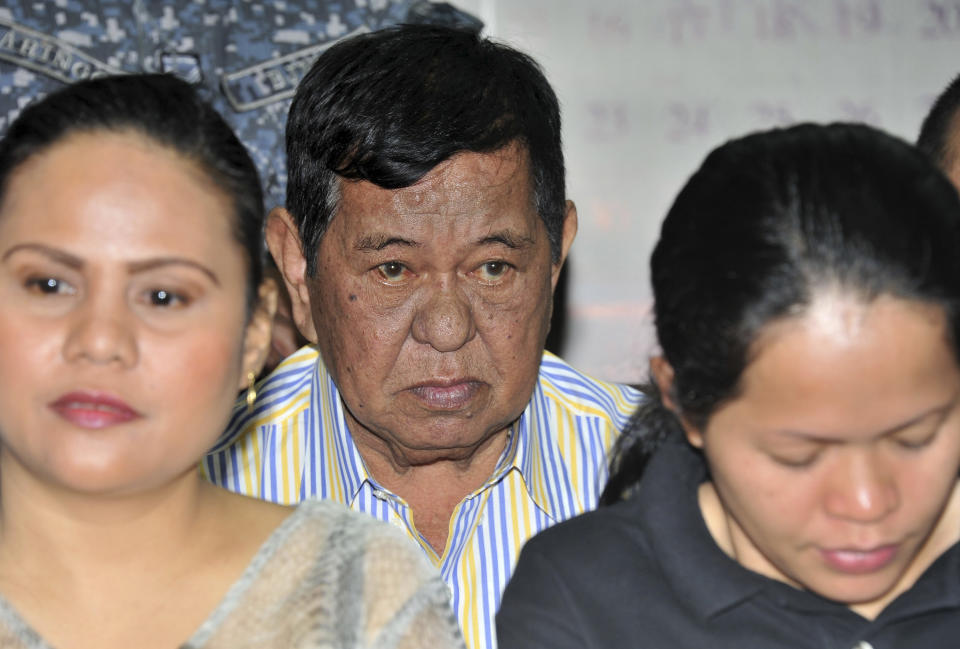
point(524, 451)
point(937, 588)
point(701, 573)
point(710, 582)
point(330, 420)
point(531, 450)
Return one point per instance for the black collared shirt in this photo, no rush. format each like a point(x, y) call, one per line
point(646, 573)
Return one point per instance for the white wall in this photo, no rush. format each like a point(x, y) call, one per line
point(649, 86)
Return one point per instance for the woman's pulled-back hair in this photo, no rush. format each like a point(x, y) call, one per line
point(767, 222)
point(167, 111)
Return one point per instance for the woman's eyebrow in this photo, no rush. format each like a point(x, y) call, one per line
point(56, 254)
point(72, 261)
point(938, 410)
point(159, 262)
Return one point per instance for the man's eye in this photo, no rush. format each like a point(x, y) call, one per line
point(392, 271)
point(493, 270)
point(49, 286)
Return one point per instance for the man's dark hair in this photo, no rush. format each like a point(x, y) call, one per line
point(389, 106)
point(939, 125)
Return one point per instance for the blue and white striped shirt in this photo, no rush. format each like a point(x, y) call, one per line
point(295, 445)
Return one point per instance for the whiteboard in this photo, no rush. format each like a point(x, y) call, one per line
point(648, 87)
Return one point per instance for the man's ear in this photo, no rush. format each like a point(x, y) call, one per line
point(662, 373)
point(283, 240)
point(567, 236)
point(256, 338)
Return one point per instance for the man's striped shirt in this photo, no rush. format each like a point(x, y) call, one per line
point(295, 445)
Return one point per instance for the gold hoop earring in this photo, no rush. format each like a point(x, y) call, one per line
point(251, 390)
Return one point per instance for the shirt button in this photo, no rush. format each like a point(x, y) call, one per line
point(379, 494)
point(863, 644)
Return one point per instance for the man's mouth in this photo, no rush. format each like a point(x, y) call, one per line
point(452, 395)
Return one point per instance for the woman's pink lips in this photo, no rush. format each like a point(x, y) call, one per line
point(859, 562)
point(93, 409)
point(446, 396)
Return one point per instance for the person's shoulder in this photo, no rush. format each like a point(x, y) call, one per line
point(388, 556)
point(326, 570)
point(252, 516)
point(377, 562)
point(247, 525)
point(282, 394)
point(332, 516)
point(609, 529)
point(581, 394)
point(597, 560)
point(349, 532)
point(294, 371)
point(249, 448)
point(334, 537)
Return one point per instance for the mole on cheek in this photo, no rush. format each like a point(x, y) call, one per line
point(353, 298)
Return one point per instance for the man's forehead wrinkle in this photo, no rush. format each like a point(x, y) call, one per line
point(422, 231)
point(477, 200)
point(379, 240)
point(453, 193)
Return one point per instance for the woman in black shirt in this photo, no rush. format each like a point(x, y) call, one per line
point(792, 479)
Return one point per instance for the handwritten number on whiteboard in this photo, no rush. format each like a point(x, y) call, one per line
point(771, 113)
point(609, 120)
point(941, 19)
point(859, 17)
point(688, 121)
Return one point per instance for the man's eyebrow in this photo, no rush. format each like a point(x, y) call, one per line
point(56, 254)
point(160, 262)
point(507, 238)
point(374, 242)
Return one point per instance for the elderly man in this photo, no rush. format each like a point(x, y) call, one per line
point(424, 231)
point(940, 133)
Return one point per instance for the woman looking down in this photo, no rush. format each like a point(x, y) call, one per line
point(792, 482)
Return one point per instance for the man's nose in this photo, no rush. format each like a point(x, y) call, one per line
point(445, 319)
point(862, 488)
point(101, 332)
